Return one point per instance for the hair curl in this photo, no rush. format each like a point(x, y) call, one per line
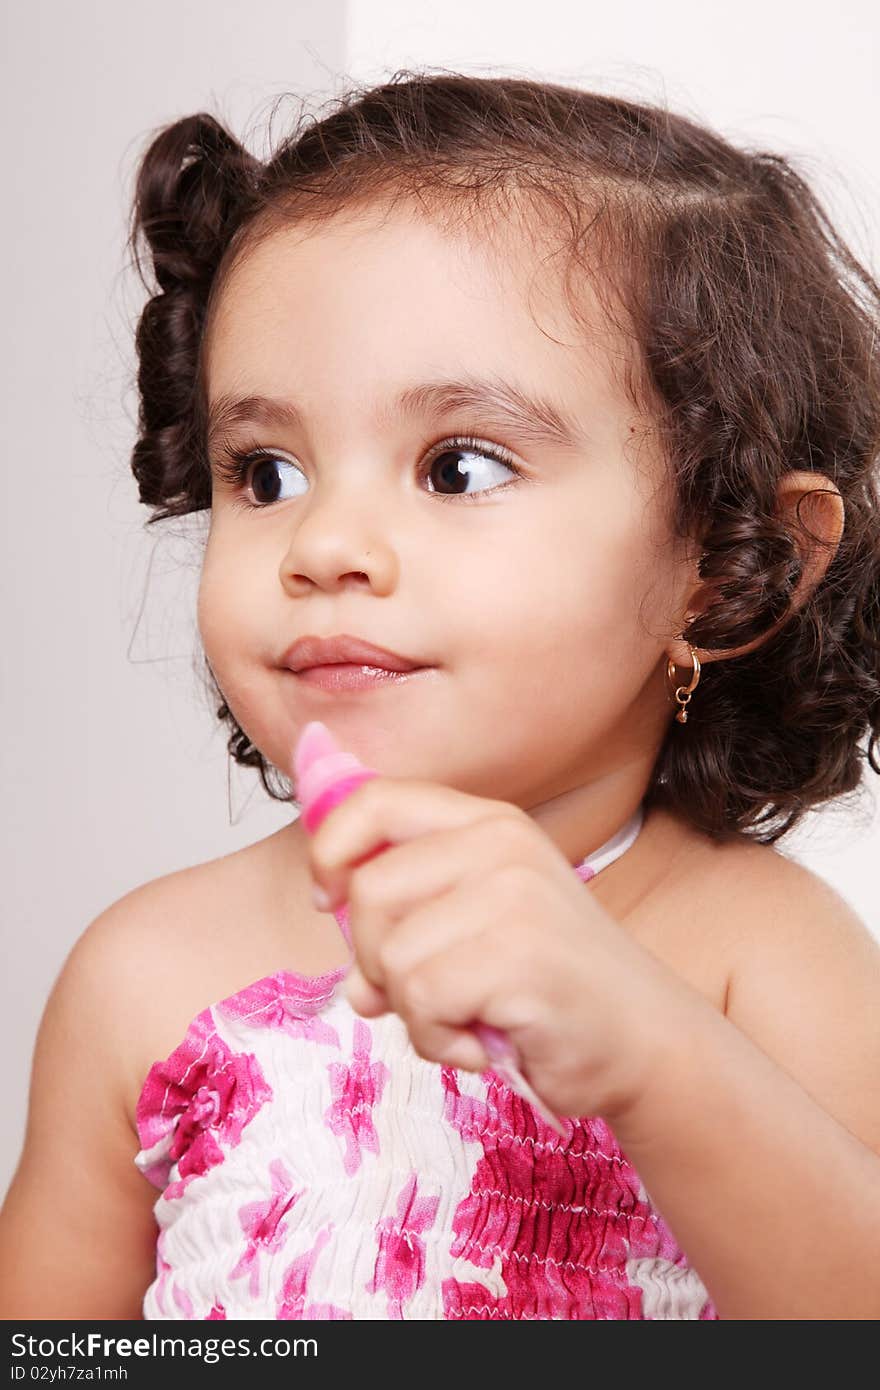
point(754, 325)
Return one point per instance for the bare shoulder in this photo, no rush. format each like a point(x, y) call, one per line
point(148, 956)
point(77, 1227)
point(183, 941)
point(170, 948)
point(804, 981)
point(776, 949)
point(780, 911)
point(77, 1230)
point(714, 911)
point(692, 899)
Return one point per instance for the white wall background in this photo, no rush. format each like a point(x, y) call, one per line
point(112, 768)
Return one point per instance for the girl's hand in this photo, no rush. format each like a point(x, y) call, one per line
point(474, 914)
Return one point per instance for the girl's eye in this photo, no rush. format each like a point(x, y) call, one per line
point(262, 467)
point(445, 468)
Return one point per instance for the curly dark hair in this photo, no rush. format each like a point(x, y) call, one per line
point(754, 326)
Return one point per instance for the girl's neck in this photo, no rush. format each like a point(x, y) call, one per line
point(620, 886)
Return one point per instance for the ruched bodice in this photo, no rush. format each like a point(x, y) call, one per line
point(310, 1164)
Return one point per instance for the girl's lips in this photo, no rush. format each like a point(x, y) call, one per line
point(342, 676)
point(346, 650)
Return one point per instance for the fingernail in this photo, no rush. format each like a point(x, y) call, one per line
point(320, 898)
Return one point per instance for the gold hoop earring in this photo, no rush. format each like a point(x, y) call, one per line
point(682, 693)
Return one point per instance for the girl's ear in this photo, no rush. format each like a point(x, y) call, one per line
point(812, 508)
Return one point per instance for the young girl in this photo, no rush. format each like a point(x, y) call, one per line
point(569, 408)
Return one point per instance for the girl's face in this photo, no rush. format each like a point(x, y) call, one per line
point(542, 588)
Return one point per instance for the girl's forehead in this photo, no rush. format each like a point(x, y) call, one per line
point(511, 268)
point(411, 290)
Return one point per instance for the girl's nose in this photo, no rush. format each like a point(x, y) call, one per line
point(336, 544)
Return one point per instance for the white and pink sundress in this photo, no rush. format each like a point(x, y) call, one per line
point(311, 1165)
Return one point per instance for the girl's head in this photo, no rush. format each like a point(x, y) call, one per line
point(557, 379)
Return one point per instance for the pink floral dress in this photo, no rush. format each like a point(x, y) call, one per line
point(310, 1164)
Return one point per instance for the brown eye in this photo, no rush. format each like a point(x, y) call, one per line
point(259, 466)
point(267, 479)
point(451, 467)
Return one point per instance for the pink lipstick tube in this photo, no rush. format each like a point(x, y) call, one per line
point(325, 775)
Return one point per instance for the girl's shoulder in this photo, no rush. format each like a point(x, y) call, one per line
point(714, 912)
point(759, 896)
point(801, 970)
point(201, 934)
point(687, 899)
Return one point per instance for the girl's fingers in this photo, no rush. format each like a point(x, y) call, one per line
point(451, 954)
point(393, 810)
point(385, 892)
point(438, 1042)
point(366, 998)
point(441, 997)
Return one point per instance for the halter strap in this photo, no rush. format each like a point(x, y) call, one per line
point(613, 847)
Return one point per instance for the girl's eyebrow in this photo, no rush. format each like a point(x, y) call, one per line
point(535, 419)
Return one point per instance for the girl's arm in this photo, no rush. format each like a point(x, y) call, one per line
point(760, 1142)
point(77, 1231)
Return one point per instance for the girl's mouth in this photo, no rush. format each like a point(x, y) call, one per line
point(343, 676)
